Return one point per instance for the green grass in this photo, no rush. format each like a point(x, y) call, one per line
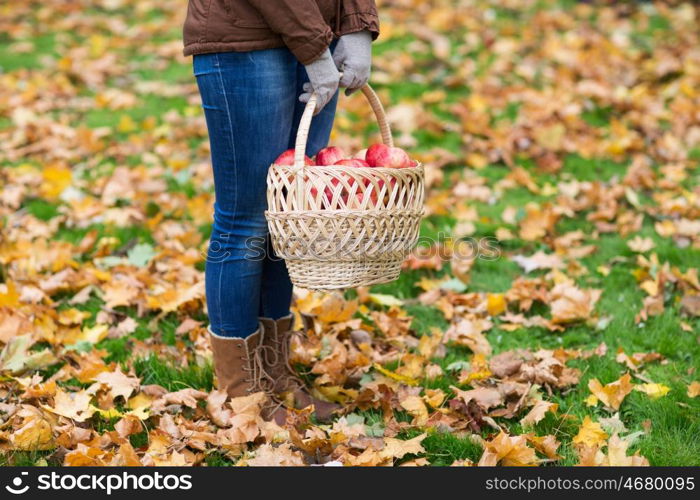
point(673, 438)
point(28, 459)
point(172, 376)
point(443, 449)
point(10, 60)
point(41, 209)
point(425, 318)
point(218, 459)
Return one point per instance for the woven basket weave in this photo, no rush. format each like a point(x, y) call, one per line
point(343, 227)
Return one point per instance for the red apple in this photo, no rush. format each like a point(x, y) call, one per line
point(334, 182)
point(356, 202)
point(350, 162)
point(361, 154)
point(375, 153)
point(381, 155)
point(376, 189)
point(353, 162)
point(398, 158)
point(314, 194)
point(287, 158)
point(329, 156)
point(358, 199)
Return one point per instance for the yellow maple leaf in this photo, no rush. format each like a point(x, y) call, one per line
point(469, 332)
point(56, 178)
point(395, 376)
point(108, 414)
point(570, 303)
point(547, 445)
point(35, 433)
point(397, 448)
point(94, 334)
point(537, 413)
point(617, 455)
point(475, 375)
point(411, 366)
point(590, 434)
point(476, 160)
point(9, 297)
point(614, 393)
point(496, 304)
point(126, 124)
point(508, 451)
point(651, 287)
point(72, 316)
point(73, 405)
point(268, 455)
point(337, 393)
point(118, 383)
point(415, 406)
point(550, 136)
point(654, 391)
point(434, 397)
point(85, 456)
point(328, 308)
point(428, 344)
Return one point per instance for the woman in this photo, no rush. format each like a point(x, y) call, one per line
point(256, 64)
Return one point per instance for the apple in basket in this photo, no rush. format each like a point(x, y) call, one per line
point(287, 158)
point(329, 156)
point(347, 162)
point(381, 155)
point(353, 162)
point(358, 198)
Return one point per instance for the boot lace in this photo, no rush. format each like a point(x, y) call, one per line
point(284, 343)
point(259, 378)
point(255, 366)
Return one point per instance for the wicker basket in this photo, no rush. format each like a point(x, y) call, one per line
point(343, 227)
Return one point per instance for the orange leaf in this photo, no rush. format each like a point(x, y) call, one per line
point(612, 394)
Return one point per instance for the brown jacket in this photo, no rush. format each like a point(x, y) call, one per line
point(307, 27)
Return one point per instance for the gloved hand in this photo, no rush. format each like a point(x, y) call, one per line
point(353, 56)
point(324, 80)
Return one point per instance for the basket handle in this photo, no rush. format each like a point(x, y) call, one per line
point(305, 124)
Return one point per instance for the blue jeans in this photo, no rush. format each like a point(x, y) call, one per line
point(252, 109)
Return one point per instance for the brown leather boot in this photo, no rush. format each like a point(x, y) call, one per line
point(277, 337)
point(240, 370)
point(275, 357)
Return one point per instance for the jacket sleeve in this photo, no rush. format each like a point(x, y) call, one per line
point(299, 23)
point(358, 15)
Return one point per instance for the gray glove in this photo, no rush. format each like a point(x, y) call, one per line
point(353, 56)
point(324, 79)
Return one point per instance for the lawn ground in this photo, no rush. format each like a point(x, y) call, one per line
point(564, 134)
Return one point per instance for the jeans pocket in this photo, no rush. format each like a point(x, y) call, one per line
point(205, 64)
